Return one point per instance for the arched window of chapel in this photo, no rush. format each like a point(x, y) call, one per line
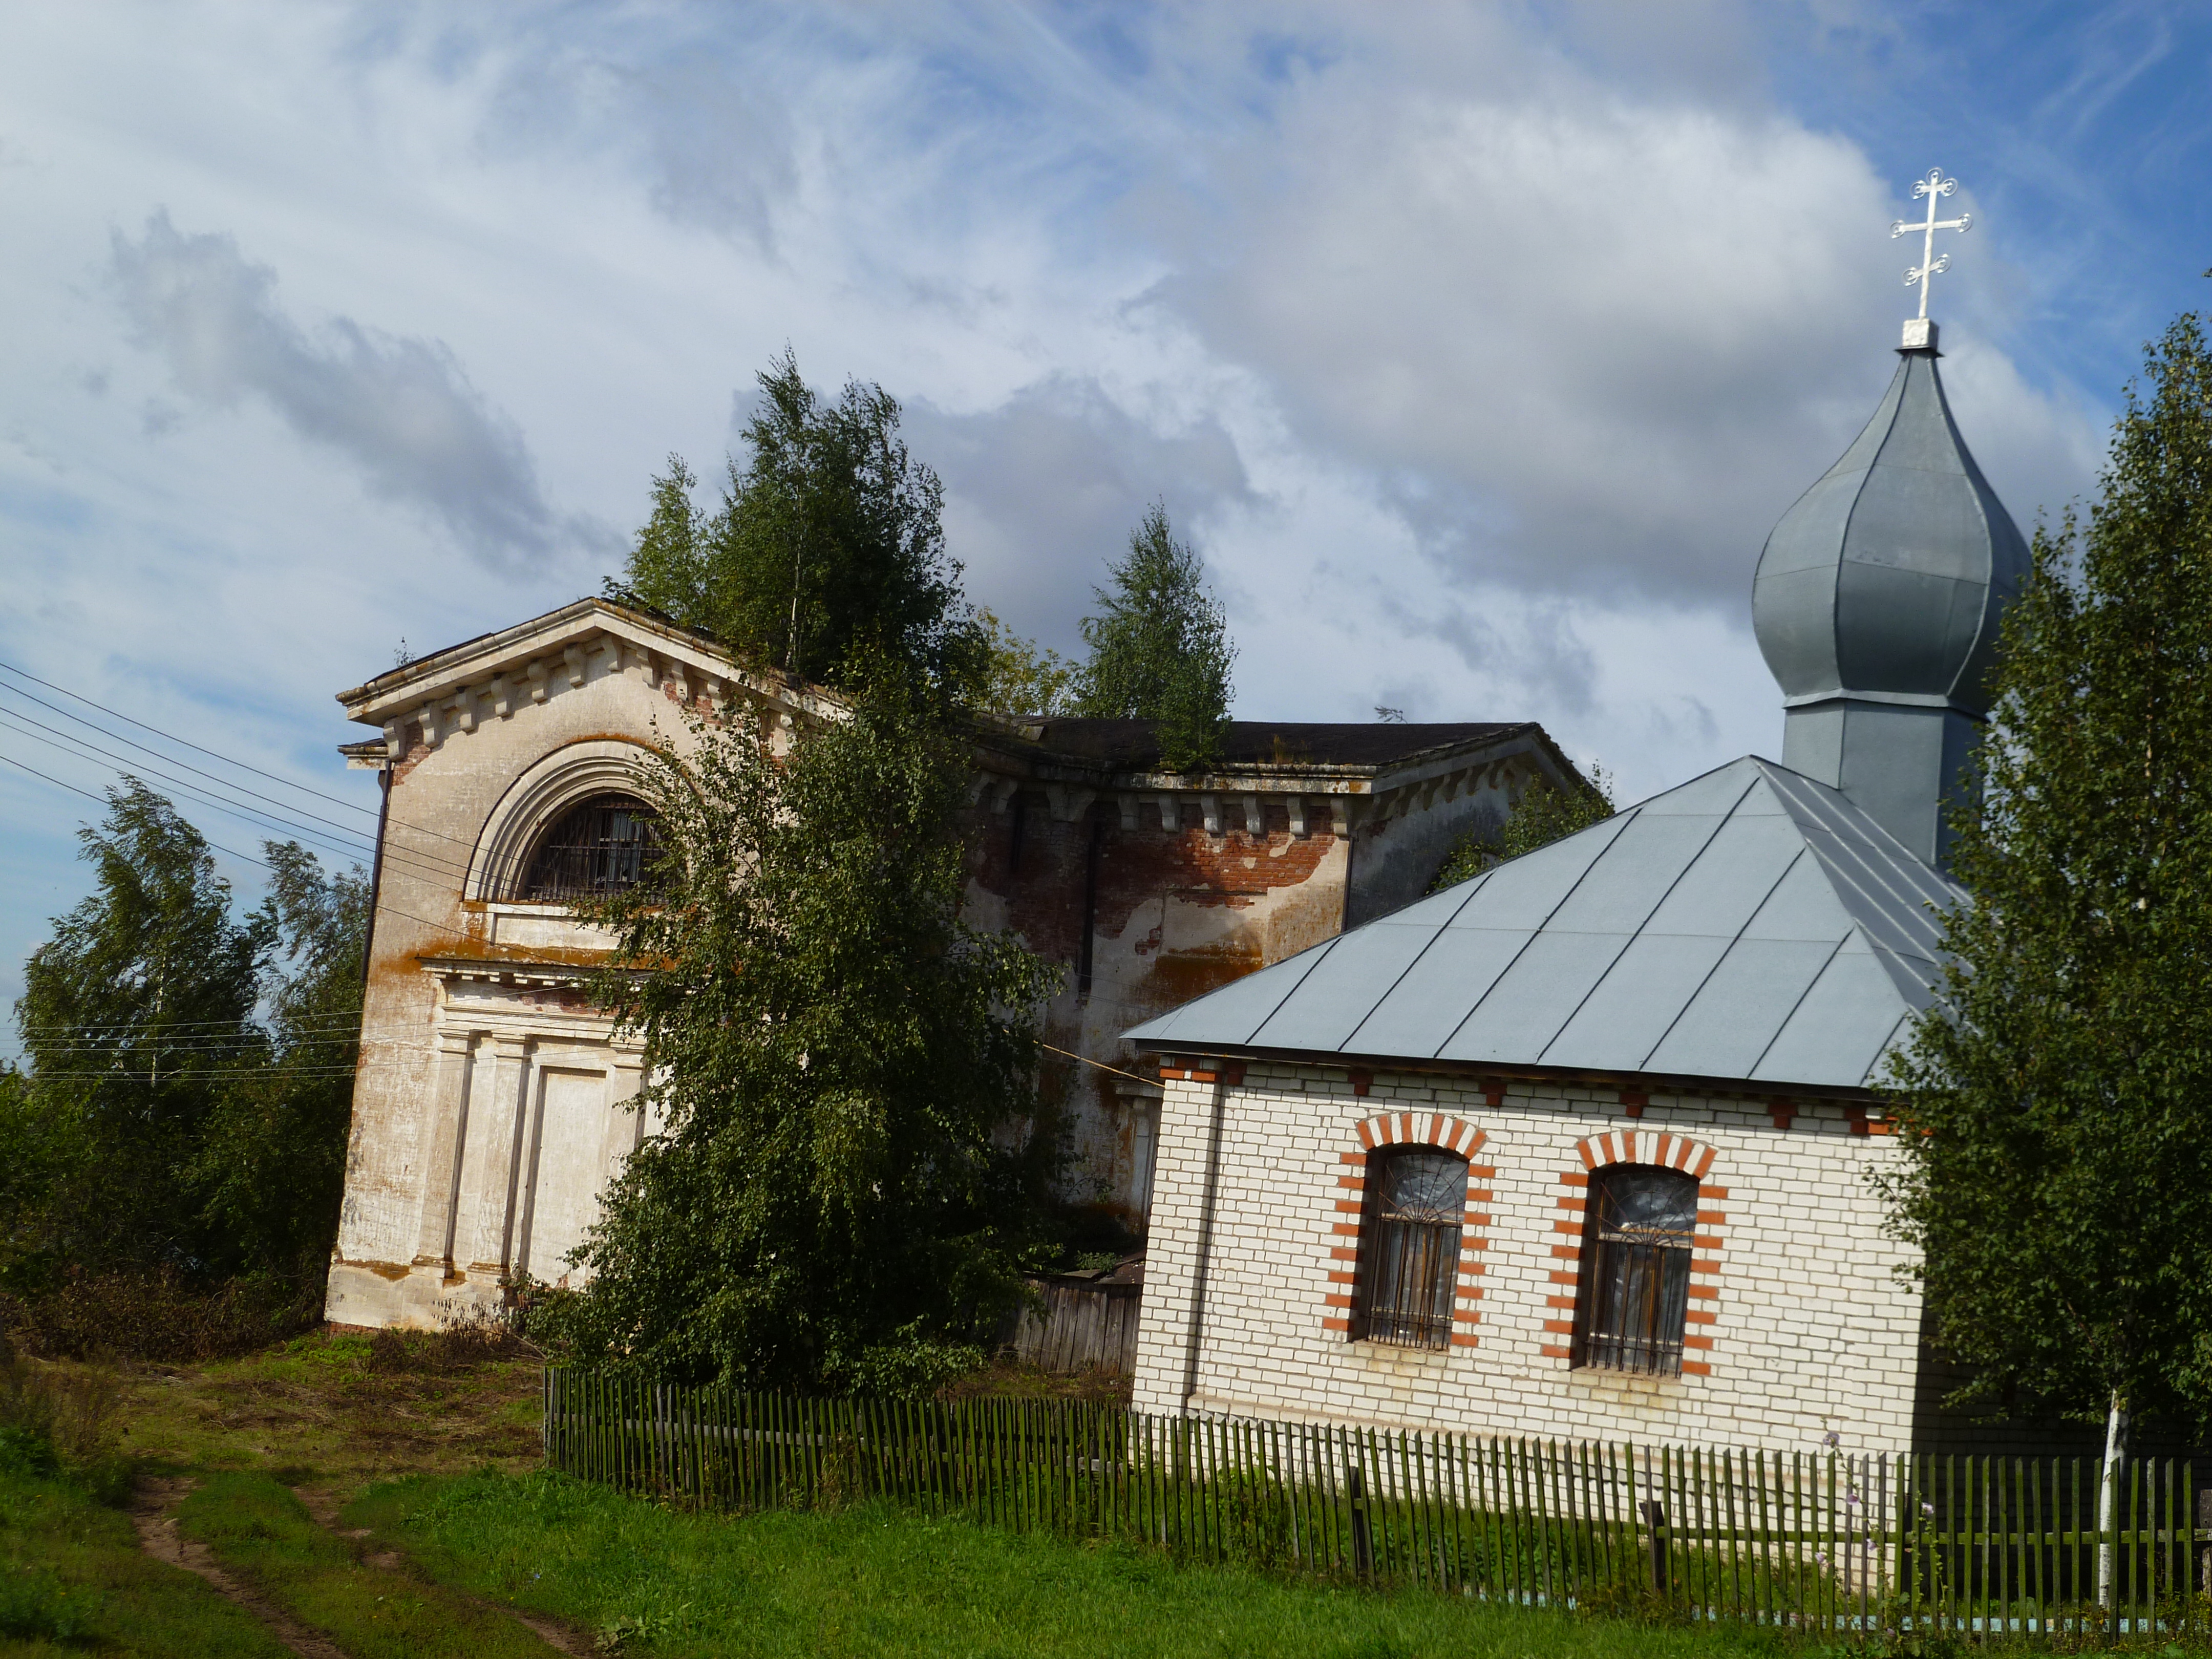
point(598, 847)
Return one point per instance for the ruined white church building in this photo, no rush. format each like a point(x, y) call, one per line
point(493, 1101)
point(1581, 1147)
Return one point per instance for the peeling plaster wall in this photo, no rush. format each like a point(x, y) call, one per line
point(1396, 856)
point(466, 1086)
point(1179, 912)
point(490, 1091)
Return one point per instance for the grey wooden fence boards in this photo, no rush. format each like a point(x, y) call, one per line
point(1077, 1326)
point(1859, 1545)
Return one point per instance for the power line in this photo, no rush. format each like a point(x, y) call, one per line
point(266, 820)
point(279, 819)
point(339, 800)
point(293, 812)
point(354, 807)
point(388, 909)
point(188, 1024)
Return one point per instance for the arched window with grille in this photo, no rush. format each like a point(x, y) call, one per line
point(1634, 1296)
point(598, 847)
point(1409, 1242)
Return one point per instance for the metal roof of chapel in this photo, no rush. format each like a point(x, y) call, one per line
point(1749, 927)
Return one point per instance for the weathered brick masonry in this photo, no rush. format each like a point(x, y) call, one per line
point(493, 1102)
point(1152, 888)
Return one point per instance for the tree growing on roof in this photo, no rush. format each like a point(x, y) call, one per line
point(1015, 676)
point(1545, 813)
point(1159, 647)
point(842, 1188)
point(2052, 1101)
point(828, 539)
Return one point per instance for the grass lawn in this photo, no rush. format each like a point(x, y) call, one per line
point(72, 1576)
point(292, 1451)
point(257, 1528)
point(317, 1410)
point(875, 1580)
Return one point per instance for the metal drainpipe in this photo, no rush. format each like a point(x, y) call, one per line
point(1350, 840)
point(1195, 1335)
point(375, 879)
point(1090, 904)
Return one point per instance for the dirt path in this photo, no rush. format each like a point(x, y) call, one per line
point(154, 1512)
point(325, 1508)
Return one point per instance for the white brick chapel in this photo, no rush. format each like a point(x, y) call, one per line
point(1581, 1147)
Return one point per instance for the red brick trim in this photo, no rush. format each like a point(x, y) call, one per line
point(1782, 1110)
point(1862, 1121)
point(1670, 1151)
point(1228, 1072)
point(1383, 1130)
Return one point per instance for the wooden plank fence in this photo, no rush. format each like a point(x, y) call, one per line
point(1862, 1545)
point(1077, 1326)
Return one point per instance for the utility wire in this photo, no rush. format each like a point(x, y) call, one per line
point(279, 819)
point(190, 1025)
point(323, 839)
point(283, 807)
point(339, 800)
point(388, 909)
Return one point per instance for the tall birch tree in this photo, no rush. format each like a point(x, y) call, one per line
point(2053, 1102)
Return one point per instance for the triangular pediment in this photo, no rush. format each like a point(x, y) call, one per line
point(496, 674)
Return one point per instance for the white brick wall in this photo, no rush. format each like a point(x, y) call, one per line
point(1811, 1329)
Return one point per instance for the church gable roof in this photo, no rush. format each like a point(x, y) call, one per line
point(1751, 924)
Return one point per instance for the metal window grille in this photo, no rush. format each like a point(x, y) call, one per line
point(599, 847)
point(1409, 1242)
point(1636, 1269)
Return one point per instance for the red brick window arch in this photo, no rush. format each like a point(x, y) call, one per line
point(1636, 1289)
point(1404, 1247)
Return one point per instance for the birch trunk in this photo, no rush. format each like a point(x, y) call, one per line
point(2108, 1499)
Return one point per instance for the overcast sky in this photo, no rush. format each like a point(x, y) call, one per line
point(1476, 348)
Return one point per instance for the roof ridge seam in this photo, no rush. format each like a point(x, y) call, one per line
point(1887, 1044)
point(1637, 932)
point(1772, 887)
point(1783, 1024)
point(1475, 887)
point(1535, 932)
point(1327, 946)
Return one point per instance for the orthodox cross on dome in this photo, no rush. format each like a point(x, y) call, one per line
point(1935, 187)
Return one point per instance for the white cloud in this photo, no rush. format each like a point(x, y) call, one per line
point(1477, 348)
point(401, 409)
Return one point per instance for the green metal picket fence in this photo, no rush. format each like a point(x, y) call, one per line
point(1863, 1544)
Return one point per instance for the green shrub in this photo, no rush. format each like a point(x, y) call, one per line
point(160, 1316)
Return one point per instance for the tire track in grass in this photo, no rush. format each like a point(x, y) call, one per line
point(259, 1536)
point(153, 1512)
point(551, 1631)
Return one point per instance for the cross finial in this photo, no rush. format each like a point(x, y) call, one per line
point(1935, 187)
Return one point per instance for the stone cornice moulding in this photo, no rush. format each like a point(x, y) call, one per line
point(1456, 766)
point(535, 658)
